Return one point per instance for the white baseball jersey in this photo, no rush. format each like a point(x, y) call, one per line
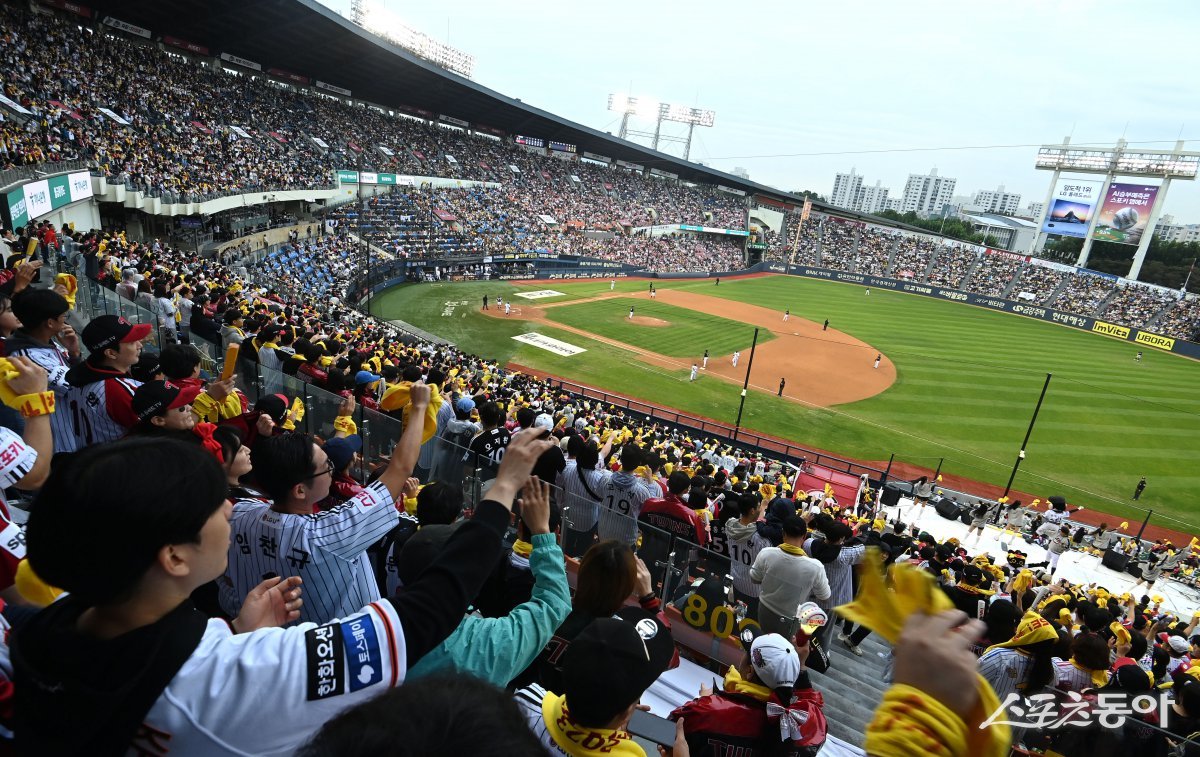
point(621, 500)
point(327, 550)
point(94, 413)
point(309, 673)
point(16, 460)
point(741, 557)
point(584, 511)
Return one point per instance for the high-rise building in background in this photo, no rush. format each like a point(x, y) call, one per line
point(873, 199)
point(996, 201)
point(742, 172)
point(849, 193)
point(1034, 210)
point(847, 190)
point(927, 195)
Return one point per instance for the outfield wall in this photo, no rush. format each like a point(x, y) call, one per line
point(559, 268)
point(1082, 322)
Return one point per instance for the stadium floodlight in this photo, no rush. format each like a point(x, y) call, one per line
point(685, 115)
point(659, 111)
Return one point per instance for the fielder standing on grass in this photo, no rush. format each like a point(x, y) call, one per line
point(695, 370)
point(631, 312)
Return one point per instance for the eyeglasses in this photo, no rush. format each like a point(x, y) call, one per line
point(327, 469)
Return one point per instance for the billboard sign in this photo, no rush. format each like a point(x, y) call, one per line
point(1124, 214)
point(1072, 206)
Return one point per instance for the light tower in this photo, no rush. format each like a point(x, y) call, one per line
point(660, 112)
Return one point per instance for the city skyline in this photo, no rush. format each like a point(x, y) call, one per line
point(927, 74)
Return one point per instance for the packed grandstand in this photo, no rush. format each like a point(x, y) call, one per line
point(236, 482)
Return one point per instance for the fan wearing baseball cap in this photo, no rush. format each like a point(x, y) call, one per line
point(605, 671)
point(164, 410)
point(101, 390)
point(767, 700)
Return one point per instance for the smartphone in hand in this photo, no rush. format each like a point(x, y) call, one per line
point(652, 728)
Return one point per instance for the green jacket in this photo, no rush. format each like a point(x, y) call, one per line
point(497, 649)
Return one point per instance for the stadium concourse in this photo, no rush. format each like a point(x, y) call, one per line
point(222, 480)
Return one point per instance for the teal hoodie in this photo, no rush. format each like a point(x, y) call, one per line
point(497, 649)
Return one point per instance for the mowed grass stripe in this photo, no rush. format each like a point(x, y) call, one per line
point(686, 333)
point(967, 382)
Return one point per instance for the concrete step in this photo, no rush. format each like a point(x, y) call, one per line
point(852, 687)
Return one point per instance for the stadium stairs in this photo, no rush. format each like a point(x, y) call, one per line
point(1058, 291)
point(855, 247)
point(1153, 322)
point(891, 264)
point(1008, 290)
point(929, 268)
point(852, 687)
point(970, 274)
point(1108, 298)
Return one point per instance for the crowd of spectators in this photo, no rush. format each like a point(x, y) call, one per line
point(873, 256)
point(1181, 320)
point(374, 549)
point(480, 221)
point(193, 132)
point(994, 274)
point(1039, 282)
point(1135, 305)
point(1084, 293)
point(952, 267)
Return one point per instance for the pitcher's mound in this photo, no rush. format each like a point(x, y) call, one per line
point(644, 320)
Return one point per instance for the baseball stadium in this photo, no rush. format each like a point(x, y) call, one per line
point(465, 427)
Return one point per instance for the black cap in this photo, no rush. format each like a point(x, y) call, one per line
point(156, 397)
point(107, 331)
point(612, 662)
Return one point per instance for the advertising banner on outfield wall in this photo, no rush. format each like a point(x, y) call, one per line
point(1124, 214)
point(1072, 206)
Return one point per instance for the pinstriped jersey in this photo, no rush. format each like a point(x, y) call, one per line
point(327, 550)
point(621, 500)
point(582, 511)
point(94, 413)
point(56, 362)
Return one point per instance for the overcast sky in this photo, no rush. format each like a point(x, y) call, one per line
point(852, 76)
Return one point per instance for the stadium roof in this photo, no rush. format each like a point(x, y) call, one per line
point(309, 39)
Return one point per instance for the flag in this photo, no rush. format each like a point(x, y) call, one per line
point(828, 490)
point(939, 478)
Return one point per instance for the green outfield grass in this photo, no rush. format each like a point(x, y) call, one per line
point(685, 329)
point(967, 382)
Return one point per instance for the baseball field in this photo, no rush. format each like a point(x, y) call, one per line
point(954, 382)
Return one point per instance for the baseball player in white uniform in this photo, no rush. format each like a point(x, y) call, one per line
point(695, 370)
point(705, 359)
point(507, 308)
point(736, 355)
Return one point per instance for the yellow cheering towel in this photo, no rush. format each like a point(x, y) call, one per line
point(30, 586)
point(909, 721)
point(70, 284)
point(397, 397)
